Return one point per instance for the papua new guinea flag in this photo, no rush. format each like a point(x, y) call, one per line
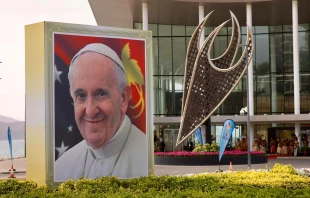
point(229, 126)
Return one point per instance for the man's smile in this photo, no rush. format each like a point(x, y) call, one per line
point(94, 121)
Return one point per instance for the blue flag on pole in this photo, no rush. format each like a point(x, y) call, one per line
point(229, 126)
point(10, 141)
point(198, 135)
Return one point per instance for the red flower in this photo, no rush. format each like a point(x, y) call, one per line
point(188, 154)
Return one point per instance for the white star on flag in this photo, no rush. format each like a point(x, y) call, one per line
point(61, 149)
point(70, 128)
point(57, 74)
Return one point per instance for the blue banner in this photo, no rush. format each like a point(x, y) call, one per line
point(229, 126)
point(198, 135)
point(10, 141)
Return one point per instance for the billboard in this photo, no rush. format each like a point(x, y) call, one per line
point(95, 99)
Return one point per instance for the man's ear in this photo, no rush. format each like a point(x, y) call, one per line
point(126, 96)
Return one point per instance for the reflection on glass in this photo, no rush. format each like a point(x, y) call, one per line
point(244, 30)
point(289, 93)
point(160, 89)
point(137, 26)
point(288, 52)
point(272, 64)
point(165, 56)
point(305, 92)
point(219, 46)
point(154, 29)
point(263, 94)
point(261, 29)
point(179, 53)
point(280, 93)
point(223, 31)
point(164, 30)
point(276, 53)
point(229, 30)
point(155, 56)
point(178, 30)
point(273, 29)
point(208, 31)
point(304, 58)
point(190, 30)
point(168, 95)
point(178, 94)
point(303, 27)
point(287, 28)
point(262, 53)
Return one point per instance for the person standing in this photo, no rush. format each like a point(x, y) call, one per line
point(190, 145)
point(272, 146)
point(296, 144)
point(162, 145)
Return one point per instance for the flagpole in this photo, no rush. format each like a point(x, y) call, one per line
point(10, 145)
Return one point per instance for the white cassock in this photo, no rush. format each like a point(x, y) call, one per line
point(124, 156)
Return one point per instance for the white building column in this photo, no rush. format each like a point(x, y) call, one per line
point(296, 65)
point(201, 17)
point(250, 70)
point(145, 21)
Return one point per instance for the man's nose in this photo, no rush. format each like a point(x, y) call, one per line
point(91, 108)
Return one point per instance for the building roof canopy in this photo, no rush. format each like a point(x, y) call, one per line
point(123, 13)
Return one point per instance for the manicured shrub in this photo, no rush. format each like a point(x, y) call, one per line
point(280, 168)
point(13, 185)
point(281, 181)
point(207, 148)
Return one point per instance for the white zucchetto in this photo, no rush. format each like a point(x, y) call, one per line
point(101, 49)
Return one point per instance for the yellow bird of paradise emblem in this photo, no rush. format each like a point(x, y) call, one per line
point(134, 77)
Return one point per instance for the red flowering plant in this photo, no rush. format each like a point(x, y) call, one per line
point(189, 154)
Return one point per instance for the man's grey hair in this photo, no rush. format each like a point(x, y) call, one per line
point(119, 69)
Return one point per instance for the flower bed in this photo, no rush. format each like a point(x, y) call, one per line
point(208, 158)
point(188, 154)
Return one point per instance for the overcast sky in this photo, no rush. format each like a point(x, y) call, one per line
point(14, 15)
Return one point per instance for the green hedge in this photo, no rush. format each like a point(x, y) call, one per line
point(207, 148)
point(280, 181)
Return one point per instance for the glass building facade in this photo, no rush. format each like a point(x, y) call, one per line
point(272, 72)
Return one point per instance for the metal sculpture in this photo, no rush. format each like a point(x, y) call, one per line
point(207, 81)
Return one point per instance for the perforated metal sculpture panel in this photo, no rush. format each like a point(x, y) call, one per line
point(207, 81)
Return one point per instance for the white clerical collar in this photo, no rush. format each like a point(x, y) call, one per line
point(116, 143)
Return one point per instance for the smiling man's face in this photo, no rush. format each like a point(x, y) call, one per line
point(99, 103)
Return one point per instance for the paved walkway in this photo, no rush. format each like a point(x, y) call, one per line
point(19, 165)
point(297, 162)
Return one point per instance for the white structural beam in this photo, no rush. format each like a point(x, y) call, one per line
point(201, 17)
point(296, 65)
point(145, 20)
point(250, 70)
point(249, 22)
point(202, 39)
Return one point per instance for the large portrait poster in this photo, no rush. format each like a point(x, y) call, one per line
point(99, 122)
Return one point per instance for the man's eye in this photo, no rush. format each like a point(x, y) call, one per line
point(81, 97)
point(101, 95)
